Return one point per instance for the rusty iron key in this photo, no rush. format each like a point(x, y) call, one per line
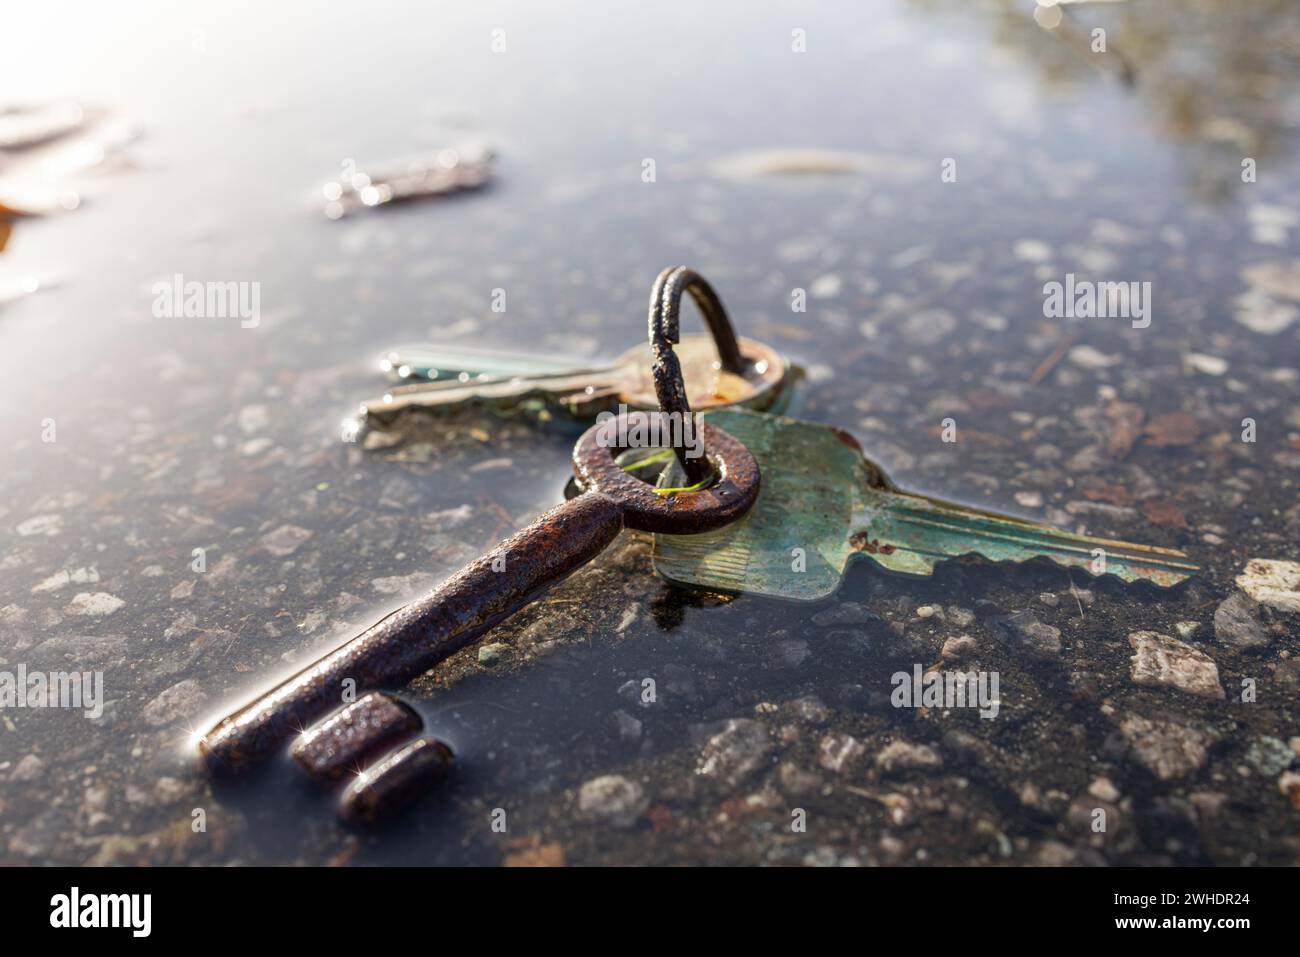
point(414, 638)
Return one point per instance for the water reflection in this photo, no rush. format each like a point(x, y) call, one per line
point(1218, 77)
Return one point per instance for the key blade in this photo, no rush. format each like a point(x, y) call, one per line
point(569, 389)
point(823, 503)
point(911, 533)
point(427, 362)
point(439, 378)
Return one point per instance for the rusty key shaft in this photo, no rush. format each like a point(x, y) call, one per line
point(417, 636)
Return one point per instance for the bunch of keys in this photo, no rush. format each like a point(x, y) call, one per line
point(824, 504)
point(718, 369)
point(373, 735)
point(821, 504)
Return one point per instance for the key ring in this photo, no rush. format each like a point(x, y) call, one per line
point(644, 509)
point(665, 331)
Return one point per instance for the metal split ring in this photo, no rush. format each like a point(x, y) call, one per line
point(645, 509)
point(665, 331)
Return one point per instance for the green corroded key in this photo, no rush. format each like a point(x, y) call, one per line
point(823, 503)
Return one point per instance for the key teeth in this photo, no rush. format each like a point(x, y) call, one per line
point(738, 584)
point(373, 739)
point(919, 531)
point(398, 779)
point(349, 737)
point(1174, 578)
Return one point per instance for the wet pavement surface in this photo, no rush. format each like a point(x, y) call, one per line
point(621, 719)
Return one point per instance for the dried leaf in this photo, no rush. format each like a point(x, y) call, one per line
point(988, 400)
point(784, 330)
point(1173, 428)
point(1277, 279)
point(545, 855)
point(1126, 420)
point(10, 211)
point(661, 817)
point(1161, 512)
point(24, 127)
point(1111, 494)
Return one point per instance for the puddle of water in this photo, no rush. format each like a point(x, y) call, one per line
point(774, 171)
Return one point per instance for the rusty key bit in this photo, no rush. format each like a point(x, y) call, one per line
point(395, 781)
point(417, 636)
point(347, 739)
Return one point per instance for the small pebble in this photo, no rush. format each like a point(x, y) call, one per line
point(796, 782)
point(906, 756)
point(628, 727)
point(809, 708)
point(957, 648)
point(1032, 636)
point(1168, 749)
point(736, 750)
point(838, 752)
point(285, 540)
point(959, 617)
point(1210, 365)
point(1103, 789)
point(1237, 623)
point(1161, 660)
point(1272, 583)
point(30, 768)
point(612, 799)
point(94, 604)
point(1269, 756)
